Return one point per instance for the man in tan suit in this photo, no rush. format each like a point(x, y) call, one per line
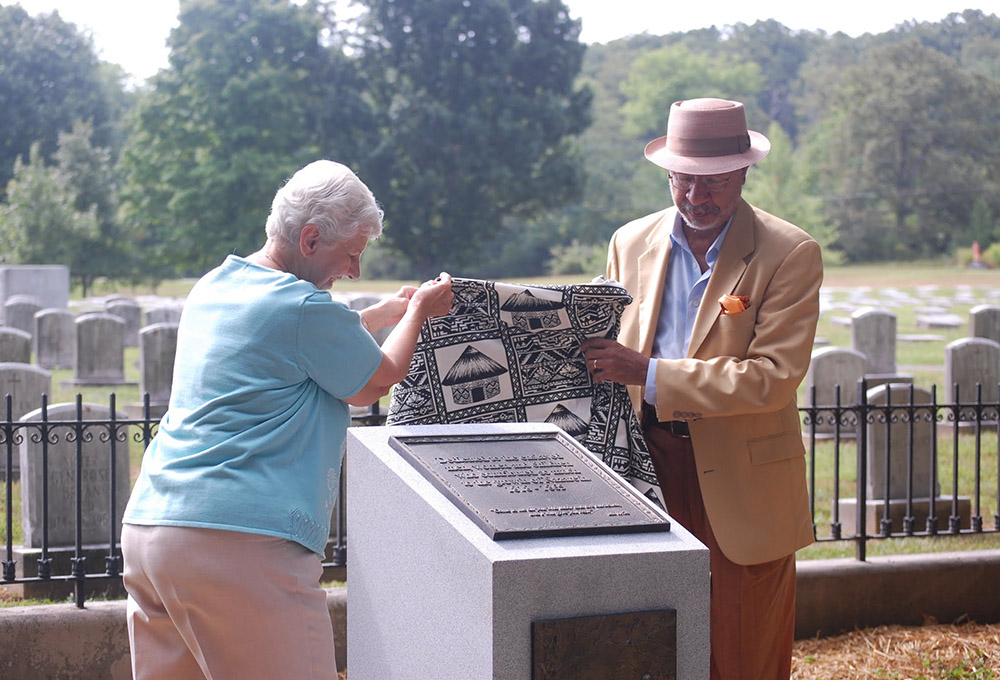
point(713, 348)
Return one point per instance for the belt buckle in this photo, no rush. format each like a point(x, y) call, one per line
point(679, 428)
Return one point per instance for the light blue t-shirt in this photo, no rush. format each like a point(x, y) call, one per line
point(254, 434)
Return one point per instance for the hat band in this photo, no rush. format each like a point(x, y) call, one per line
point(704, 148)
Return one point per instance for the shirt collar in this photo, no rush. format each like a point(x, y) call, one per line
point(678, 238)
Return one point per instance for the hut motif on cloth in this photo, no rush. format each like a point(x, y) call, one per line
point(511, 353)
point(530, 313)
point(473, 377)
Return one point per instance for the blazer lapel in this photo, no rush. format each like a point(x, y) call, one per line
point(652, 268)
point(737, 251)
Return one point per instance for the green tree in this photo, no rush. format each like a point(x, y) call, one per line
point(88, 172)
point(476, 106)
point(50, 76)
point(910, 150)
point(984, 227)
point(785, 184)
point(779, 53)
point(40, 223)
point(251, 94)
point(659, 78)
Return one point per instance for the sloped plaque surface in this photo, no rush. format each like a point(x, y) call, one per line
point(527, 485)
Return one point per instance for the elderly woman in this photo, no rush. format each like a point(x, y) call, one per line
point(229, 517)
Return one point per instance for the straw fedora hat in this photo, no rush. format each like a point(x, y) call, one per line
point(707, 137)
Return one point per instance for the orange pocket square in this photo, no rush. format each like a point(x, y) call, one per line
point(734, 304)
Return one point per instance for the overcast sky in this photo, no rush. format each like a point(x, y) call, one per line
point(133, 33)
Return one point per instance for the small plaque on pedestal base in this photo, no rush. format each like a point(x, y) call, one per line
point(641, 645)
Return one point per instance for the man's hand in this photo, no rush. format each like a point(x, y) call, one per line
point(611, 361)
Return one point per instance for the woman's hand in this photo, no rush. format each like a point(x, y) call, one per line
point(389, 311)
point(433, 298)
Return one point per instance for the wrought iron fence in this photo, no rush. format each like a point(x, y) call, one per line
point(868, 433)
point(838, 438)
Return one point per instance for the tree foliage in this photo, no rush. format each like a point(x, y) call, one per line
point(911, 157)
point(475, 106)
point(50, 76)
point(62, 213)
point(497, 143)
point(251, 95)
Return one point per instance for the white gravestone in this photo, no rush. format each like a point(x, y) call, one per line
point(873, 333)
point(25, 384)
point(157, 348)
point(15, 345)
point(48, 283)
point(462, 605)
point(830, 367)
point(892, 432)
point(984, 322)
point(19, 312)
point(99, 355)
point(55, 337)
point(61, 473)
point(169, 313)
point(967, 362)
point(130, 312)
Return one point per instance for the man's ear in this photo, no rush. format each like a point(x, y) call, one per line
point(309, 239)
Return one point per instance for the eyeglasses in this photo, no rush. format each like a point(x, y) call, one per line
point(711, 183)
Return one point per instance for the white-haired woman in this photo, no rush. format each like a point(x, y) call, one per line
point(229, 517)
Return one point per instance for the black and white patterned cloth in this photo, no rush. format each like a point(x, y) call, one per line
point(511, 353)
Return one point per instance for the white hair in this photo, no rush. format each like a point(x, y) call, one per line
point(328, 195)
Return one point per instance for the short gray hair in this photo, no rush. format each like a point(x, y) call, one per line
point(328, 195)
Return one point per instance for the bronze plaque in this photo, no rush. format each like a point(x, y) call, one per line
point(636, 645)
point(527, 485)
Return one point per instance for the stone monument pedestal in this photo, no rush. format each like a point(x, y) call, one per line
point(433, 596)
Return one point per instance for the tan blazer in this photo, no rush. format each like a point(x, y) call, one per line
point(736, 388)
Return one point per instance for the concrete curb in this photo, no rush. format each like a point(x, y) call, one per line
point(61, 642)
point(840, 595)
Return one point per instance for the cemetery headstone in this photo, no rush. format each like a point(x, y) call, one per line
point(939, 321)
point(55, 337)
point(25, 384)
point(19, 312)
point(157, 347)
point(968, 362)
point(49, 284)
point(99, 356)
point(873, 333)
point(15, 345)
point(896, 433)
point(830, 367)
point(163, 314)
point(130, 312)
point(61, 473)
point(984, 322)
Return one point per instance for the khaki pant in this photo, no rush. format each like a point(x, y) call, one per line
point(752, 606)
point(224, 605)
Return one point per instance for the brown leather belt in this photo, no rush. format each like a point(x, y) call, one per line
point(678, 428)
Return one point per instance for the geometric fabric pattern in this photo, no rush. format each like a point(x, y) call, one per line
point(510, 353)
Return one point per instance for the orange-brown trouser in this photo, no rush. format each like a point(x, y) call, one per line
point(752, 606)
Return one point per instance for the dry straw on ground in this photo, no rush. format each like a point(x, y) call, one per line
point(904, 653)
point(907, 653)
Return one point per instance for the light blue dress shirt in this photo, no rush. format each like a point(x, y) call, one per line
point(682, 296)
